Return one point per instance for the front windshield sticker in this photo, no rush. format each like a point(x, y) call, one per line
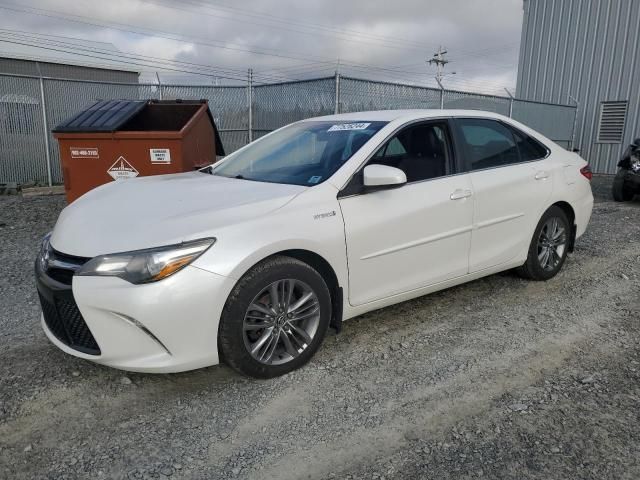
point(314, 179)
point(348, 126)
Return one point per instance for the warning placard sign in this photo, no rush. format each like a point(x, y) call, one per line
point(121, 170)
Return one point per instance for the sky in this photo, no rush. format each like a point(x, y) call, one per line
point(216, 41)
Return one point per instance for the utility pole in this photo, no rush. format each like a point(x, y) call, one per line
point(439, 61)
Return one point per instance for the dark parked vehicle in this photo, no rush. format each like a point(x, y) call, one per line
point(627, 181)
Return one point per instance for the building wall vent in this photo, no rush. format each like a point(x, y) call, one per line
point(611, 124)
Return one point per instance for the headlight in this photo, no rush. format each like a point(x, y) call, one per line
point(150, 265)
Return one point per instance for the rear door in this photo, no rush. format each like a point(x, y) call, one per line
point(511, 184)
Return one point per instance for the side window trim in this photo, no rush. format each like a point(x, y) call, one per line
point(515, 142)
point(460, 152)
point(464, 155)
point(452, 165)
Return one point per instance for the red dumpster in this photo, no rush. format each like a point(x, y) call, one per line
point(120, 139)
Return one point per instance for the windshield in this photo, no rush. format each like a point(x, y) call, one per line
point(305, 153)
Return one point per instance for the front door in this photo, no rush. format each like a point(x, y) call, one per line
point(417, 235)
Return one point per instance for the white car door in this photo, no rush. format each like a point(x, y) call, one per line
point(511, 181)
point(419, 234)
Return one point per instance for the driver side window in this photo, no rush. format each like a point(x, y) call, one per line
point(421, 151)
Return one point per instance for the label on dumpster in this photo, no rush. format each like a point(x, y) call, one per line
point(121, 170)
point(84, 152)
point(160, 155)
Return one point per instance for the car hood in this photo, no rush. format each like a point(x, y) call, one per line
point(162, 210)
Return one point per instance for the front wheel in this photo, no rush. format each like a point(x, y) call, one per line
point(275, 318)
point(549, 246)
point(621, 192)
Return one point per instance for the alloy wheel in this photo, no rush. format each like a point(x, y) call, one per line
point(281, 321)
point(552, 243)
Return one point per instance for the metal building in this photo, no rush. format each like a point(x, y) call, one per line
point(25, 55)
point(586, 53)
point(36, 68)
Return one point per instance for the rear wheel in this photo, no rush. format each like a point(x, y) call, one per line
point(549, 246)
point(621, 191)
point(275, 318)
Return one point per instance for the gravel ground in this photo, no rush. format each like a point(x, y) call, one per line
point(498, 378)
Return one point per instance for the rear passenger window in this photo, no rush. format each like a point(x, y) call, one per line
point(529, 148)
point(488, 144)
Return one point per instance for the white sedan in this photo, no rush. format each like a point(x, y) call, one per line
point(252, 259)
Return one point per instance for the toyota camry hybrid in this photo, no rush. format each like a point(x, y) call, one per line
point(250, 260)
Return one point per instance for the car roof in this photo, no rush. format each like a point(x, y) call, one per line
point(407, 115)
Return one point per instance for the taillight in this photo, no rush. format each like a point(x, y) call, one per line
point(586, 172)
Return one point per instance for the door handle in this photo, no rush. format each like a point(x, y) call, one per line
point(541, 175)
point(459, 194)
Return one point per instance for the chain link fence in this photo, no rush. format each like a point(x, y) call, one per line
point(277, 105)
point(362, 95)
point(228, 106)
point(22, 131)
point(30, 107)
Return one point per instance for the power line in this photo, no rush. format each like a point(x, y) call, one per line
point(178, 37)
point(26, 43)
point(70, 42)
point(464, 53)
point(169, 36)
point(237, 75)
point(128, 28)
point(66, 42)
point(298, 23)
point(41, 42)
point(333, 33)
point(117, 56)
point(61, 45)
point(306, 87)
point(228, 74)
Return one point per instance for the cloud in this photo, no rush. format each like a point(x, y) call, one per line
point(295, 39)
point(155, 47)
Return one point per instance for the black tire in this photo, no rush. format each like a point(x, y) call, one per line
point(620, 191)
point(231, 334)
point(532, 268)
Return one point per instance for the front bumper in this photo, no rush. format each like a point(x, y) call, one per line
point(166, 326)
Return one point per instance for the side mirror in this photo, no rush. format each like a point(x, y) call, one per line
point(379, 177)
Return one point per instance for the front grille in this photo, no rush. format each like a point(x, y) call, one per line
point(52, 320)
point(61, 267)
point(61, 275)
point(65, 321)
